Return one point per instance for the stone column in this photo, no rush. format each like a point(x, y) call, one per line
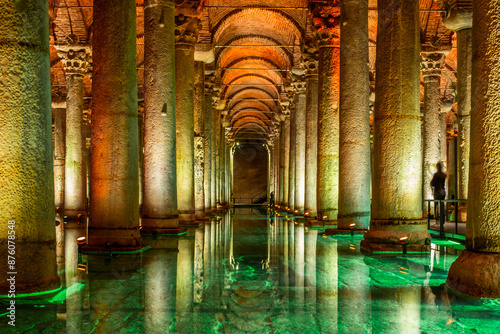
point(199, 138)
point(159, 208)
point(477, 270)
point(311, 155)
point(185, 284)
point(75, 63)
point(208, 131)
point(299, 243)
point(215, 117)
point(300, 145)
point(431, 66)
point(59, 153)
point(59, 115)
point(27, 181)
point(397, 175)
point(291, 174)
point(286, 158)
point(114, 170)
point(354, 117)
point(459, 19)
point(281, 164)
point(184, 109)
point(328, 126)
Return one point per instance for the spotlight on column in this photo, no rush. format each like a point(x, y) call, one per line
point(352, 227)
point(325, 217)
point(81, 241)
point(82, 266)
point(306, 229)
point(296, 211)
point(404, 242)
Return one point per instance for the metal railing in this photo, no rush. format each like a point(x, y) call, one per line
point(442, 216)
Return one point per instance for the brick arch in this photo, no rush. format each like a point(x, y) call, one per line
point(276, 22)
point(253, 60)
point(254, 39)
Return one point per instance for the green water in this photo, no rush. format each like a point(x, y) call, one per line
point(250, 272)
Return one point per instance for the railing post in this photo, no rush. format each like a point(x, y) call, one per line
point(428, 215)
point(441, 218)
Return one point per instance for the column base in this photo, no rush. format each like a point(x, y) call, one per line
point(187, 217)
point(361, 219)
point(151, 224)
point(114, 238)
point(476, 274)
point(384, 236)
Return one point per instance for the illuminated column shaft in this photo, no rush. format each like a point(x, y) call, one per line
point(328, 128)
point(482, 258)
point(459, 19)
point(199, 138)
point(208, 131)
point(286, 159)
point(218, 160)
point(213, 130)
point(354, 117)
point(26, 168)
point(397, 176)
point(228, 174)
point(431, 71)
point(311, 141)
point(159, 172)
point(59, 153)
point(464, 73)
point(300, 146)
point(281, 164)
point(114, 170)
point(74, 59)
point(184, 109)
point(291, 174)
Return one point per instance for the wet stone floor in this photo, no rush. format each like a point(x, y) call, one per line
point(252, 271)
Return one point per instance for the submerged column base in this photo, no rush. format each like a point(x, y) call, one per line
point(384, 236)
point(476, 274)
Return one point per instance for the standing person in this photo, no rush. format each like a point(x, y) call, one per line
point(437, 184)
point(271, 199)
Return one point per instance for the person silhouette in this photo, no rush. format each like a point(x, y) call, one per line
point(438, 186)
point(271, 200)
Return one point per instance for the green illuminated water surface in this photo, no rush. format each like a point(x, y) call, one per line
point(254, 272)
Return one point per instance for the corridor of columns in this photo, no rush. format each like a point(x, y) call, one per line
point(202, 166)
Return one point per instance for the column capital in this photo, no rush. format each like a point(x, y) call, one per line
point(75, 58)
point(326, 21)
point(186, 30)
point(432, 63)
point(458, 14)
point(299, 85)
point(310, 63)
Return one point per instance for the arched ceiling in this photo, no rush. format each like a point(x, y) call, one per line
point(256, 45)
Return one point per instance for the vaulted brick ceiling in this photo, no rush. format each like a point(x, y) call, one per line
point(257, 44)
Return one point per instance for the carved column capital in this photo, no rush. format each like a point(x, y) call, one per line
point(432, 64)
point(299, 85)
point(310, 63)
point(326, 21)
point(458, 15)
point(76, 59)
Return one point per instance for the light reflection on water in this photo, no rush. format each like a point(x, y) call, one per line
point(251, 271)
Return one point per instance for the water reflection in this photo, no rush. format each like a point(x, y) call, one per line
point(255, 271)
